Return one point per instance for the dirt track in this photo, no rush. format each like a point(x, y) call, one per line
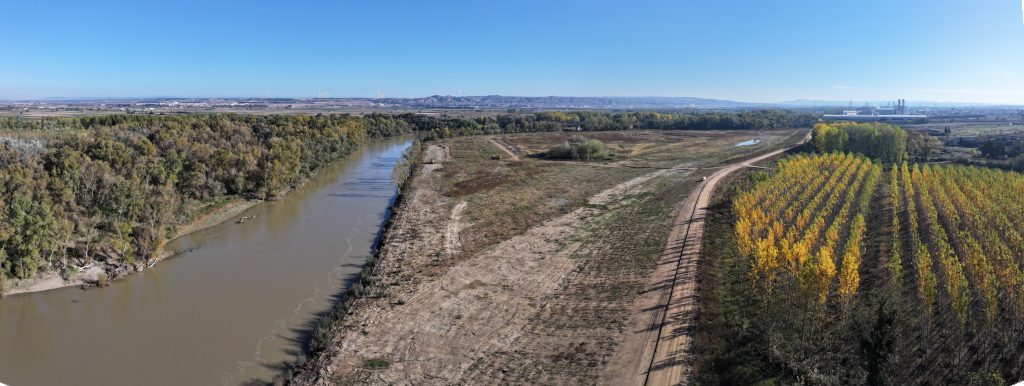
point(505, 148)
point(656, 346)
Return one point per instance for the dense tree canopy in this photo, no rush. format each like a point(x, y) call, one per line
point(882, 142)
point(600, 121)
point(1001, 147)
point(115, 187)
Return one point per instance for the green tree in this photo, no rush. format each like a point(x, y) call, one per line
point(280, 166)
point(31, 241)
point(828, 138)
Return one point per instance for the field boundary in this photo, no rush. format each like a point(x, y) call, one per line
point(657, 347)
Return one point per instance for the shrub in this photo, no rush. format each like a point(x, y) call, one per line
point(376, 363)
point(102, 280)
point(983, 378)
point(578, 149)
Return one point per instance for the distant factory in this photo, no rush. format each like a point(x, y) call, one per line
point(894, 112)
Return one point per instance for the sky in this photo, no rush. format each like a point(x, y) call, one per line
point(755, 51)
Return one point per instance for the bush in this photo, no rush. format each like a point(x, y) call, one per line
point(376, 363)
point(578, 149)
point(984, 378)
point(102, 280)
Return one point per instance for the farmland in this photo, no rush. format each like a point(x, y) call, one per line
point(843, 269)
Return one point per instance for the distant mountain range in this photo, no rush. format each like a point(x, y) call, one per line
point(489, 102)
point(440, 101)
point(566, 102)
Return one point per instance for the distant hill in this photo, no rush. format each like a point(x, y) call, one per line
point(565, 102)
point(468, 102)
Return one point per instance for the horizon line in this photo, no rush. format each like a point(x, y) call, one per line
point(799, 102)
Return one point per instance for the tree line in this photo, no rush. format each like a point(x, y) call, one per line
point(879, 141)
point(443, 127)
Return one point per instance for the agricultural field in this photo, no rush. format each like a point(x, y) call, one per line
point(522, 269)
point(963, 129)
point(814, 241)
point(842, 270)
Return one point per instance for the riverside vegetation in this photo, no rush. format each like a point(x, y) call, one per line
point(847, 268)
point(114, 188)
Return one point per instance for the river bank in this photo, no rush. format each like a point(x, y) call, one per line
point(87, 276)
point(231, 310)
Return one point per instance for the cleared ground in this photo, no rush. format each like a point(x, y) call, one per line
point(522, 272)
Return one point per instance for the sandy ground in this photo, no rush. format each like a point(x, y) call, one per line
point(436, 154)
point(53, 280)
point(451, 235)
point(656, 349)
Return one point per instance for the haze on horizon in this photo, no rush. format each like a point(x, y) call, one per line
point(752, 51)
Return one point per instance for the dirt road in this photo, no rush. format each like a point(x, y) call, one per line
point(505, 148)
point(656, 345)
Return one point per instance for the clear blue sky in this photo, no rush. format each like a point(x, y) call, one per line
point(766, 51)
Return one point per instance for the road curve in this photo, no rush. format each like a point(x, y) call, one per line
point(657, 346)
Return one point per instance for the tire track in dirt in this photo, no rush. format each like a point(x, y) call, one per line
point(656, 348)
point(504, 148)
point(451, 234)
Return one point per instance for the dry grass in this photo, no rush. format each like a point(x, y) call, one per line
point(573, 336)
point(659, 149)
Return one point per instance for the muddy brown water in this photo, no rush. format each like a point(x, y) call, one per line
point(228, 312)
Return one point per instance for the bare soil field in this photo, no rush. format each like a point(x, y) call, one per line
point(521, 271)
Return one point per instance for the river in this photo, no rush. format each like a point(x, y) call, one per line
point(231, 311)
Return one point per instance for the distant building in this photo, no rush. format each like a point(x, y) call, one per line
point(901, 118)
point(896, 113)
